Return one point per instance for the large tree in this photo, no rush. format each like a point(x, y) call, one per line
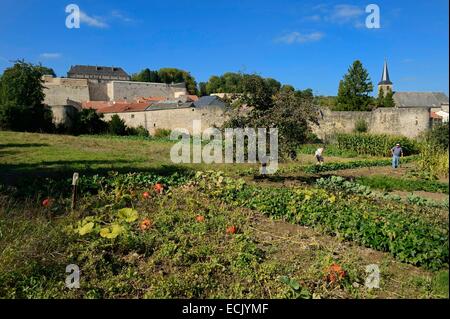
point(21, 99)
point(354, 90)
point(288, 110)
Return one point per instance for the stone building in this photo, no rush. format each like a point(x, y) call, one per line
point(168, 114)
point(100, 73)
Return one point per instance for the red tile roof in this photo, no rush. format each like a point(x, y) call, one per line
point(192, 98)
point(124, 107)
point(151, 98)
point(433, 115)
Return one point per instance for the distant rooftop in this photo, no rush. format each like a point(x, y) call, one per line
point(420, 99)
point(98, 71)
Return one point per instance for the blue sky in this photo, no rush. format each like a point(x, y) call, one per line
point(309, 44)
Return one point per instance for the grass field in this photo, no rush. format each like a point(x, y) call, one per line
point(208, 236)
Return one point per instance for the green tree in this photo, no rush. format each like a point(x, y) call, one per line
point(173, 75)
point(46, 71)
point(202, 89)
point(380, 98)
point(90, 122)
point(273, 85)
point(389, 99)
point(354, 89)
point(256, 93)
point(287, 88)
point(288, 110)
point(116, 126)
point(21, 99)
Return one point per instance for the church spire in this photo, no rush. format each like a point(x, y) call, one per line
point(385, 84)
point(385, 76)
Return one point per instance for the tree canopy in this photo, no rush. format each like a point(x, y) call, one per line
point(354, 90)
point(232, 82)
point(167, 75)
point(287, 109)
point(21, 98)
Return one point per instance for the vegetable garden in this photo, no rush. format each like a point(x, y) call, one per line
point(190, 232)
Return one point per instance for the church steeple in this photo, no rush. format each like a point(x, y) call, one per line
point(385, 82)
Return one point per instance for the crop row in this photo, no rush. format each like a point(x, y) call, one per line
point(375, 144)
point(407, 236)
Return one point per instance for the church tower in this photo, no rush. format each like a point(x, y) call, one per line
point(385, 82)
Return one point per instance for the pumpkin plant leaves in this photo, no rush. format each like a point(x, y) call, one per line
point(85, 229)
point(128, 214)
point(111, 232)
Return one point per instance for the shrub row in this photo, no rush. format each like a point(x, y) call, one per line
point(388, 184)
point(353, 164)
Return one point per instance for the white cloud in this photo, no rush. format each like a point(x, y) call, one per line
point(338, 14)
point(96, 22)
point(297, 37)
point(50, 55)
point(313, 18)
point(346, 13)
point(120, 16)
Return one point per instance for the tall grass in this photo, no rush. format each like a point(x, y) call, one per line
point(433, 161)
point(375, 144)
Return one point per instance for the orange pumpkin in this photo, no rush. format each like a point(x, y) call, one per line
point(46, 202)
point(335, 273)
point(145, 224)
point(159, 188)
point(200, 218)
point(231, 230)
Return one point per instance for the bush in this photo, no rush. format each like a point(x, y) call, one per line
point(88, 121)
point(438, 136)
point(137, 131)
point(116, 126)
point(361, 126)
point(375, 144)
point(388, 184)
point(161, 133)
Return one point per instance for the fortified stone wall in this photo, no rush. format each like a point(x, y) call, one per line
point(98, 91)
point(58, 90)
point(126, 90)
point(409, 122)
point(64, 114)
point(172, 119)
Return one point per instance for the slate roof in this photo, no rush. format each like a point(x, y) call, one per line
point(385, 75)
point(168, 105)
point(96, 71)
point(420, 99)
point(209, 100)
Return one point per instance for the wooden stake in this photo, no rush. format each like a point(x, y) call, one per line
point(74, 190)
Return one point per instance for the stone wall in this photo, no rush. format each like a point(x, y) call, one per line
point(172, 119)
point(64, 114)
point(58, 90)
point(409, 122)
point(126, 90)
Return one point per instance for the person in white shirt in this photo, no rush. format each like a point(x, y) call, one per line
point(319, 155)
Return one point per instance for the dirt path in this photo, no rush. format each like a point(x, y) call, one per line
point(307, 248)
point(439, 197)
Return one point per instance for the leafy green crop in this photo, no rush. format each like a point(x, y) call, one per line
point(387, 227)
